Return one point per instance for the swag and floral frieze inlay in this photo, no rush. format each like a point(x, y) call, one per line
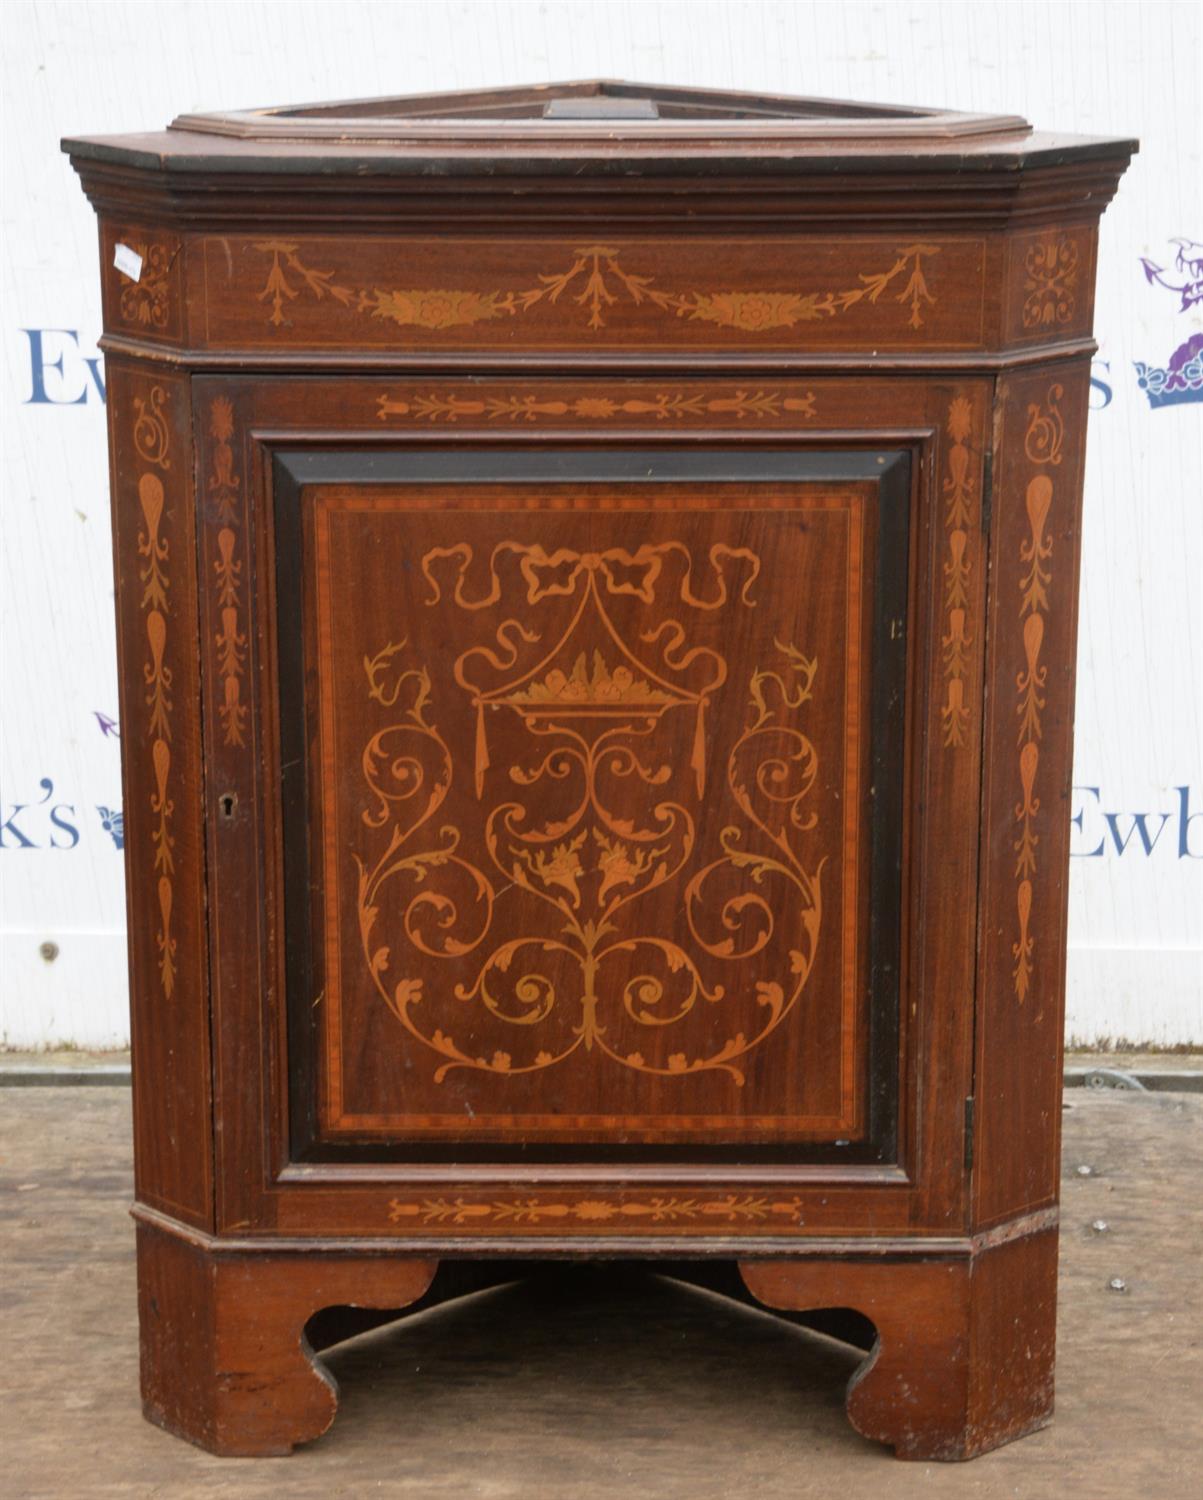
point(596, 280)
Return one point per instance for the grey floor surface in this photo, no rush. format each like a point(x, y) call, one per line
point(567, 1390)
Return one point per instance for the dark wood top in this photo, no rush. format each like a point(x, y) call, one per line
point(594, 128)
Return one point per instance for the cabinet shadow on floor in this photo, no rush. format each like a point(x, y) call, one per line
point(595, 1355)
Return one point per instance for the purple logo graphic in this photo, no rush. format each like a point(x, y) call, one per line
point(113, 823)
point(107, 725)
point(1181, 380)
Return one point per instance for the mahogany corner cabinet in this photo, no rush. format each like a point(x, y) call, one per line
point(596, 577)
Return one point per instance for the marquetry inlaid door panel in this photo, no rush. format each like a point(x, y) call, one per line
point(591, 765)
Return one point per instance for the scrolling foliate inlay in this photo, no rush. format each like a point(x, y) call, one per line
point(595, 280)
point(450, 407)
point(959, 496)
point(154, 552)
point(1042, 446)
point(146, 302)
point(150, 305)
point(728, 1208)
point(587, 709)
point(224, 487)
point(151, 438)
point(1050, 282)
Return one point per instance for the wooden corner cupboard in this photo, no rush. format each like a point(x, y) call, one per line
point(597, 575)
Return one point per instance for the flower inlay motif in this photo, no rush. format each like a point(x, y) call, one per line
point(596, 280)
point(589, 718)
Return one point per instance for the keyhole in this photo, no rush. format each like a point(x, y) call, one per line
point(228, 802)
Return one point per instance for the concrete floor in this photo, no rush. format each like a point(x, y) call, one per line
point(573, 1390)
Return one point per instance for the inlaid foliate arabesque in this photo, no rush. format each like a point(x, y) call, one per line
point(608, 811)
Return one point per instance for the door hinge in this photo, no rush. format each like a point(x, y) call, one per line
point(987, 490)
point(969, 1132)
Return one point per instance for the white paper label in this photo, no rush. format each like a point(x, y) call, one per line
point(128, 262)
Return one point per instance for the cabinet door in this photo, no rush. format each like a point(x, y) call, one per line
point(591, 775)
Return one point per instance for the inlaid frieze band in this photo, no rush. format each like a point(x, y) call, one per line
point(739, 403)
point(723, 1208)
point(596, 278)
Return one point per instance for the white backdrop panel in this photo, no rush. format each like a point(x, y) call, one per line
point(1136, 935)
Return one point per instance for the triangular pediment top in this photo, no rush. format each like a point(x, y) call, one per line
point(598, 107)
point(531, 139)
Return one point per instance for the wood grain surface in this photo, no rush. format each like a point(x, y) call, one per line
point(598, 643)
